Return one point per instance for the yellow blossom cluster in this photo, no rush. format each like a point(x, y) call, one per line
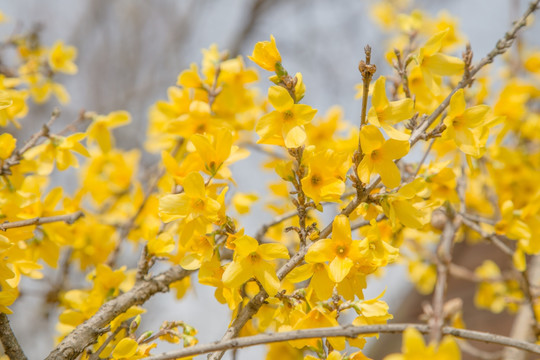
point(349, 200)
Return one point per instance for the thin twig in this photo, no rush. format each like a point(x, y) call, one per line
point(68, 218)
point(348, 331)
point(17, 155)
point(276, 221)
point(95, 355)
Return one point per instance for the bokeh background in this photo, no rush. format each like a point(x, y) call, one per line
point(130, 51)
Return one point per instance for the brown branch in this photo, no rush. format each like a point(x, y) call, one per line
point(444, 258)
point(276, 221)
point(95, 355)
point(17, 155)
point(9, 341)
point(68, 218)
point(87, 333)
point(348, 331)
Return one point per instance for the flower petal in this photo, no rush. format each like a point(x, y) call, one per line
point(339, 268)
point(280, 98)
point(320, 251)
point(194, 185)
point(371, 139)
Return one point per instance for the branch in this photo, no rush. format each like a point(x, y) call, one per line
point(500, 48)
point(277, 220)
point(68, 218)
point(17, 155)
point(9, 341)
point(345, 331)
point(87, 333)
point(444, 258)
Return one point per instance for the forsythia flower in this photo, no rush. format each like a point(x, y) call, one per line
point(191, 204)
point(384, 114)
point(266, 55)
point(465, 126)
point(326, 175)
point(59, 148)
point(61, 58)
point(99, 129)
point(414, 348)
point(251, 260)
point(7, 145)
point(433, 63)
point(5, 100)
point(284, 126)
point(340, 250)
point(379, 156)
point(317, 318)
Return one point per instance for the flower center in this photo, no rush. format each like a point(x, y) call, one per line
point(288, 115)
point(198, 204)
point(315, 179)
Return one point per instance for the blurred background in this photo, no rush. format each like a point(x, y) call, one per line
point(130, 52)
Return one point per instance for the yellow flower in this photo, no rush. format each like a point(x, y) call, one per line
point(7, 145)
point(318, 318)
point(374, 250)
point(284, 126)
point(384, 114)
point(266, 55)
point(99, 130)
point(511, 225)
point(399, 206)
point(58, 148)
point(326, 174)
point(218, 151)
point(423, 276)
point(320, 282)
point(465, 126)
point(433, 63)
point(414, 348)
point(190, 78)
point(5, 100)
point(191, 204)
point(251, 261)
point(379, 156)
point(126, 348)
point(161, 245)
point(61, 58)
point(340, 250)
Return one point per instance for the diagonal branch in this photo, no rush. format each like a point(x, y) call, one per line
point(87, 333)
point(11, 346)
